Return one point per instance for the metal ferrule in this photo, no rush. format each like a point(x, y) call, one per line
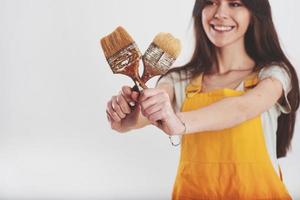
point(157, 58)
point(123, 58)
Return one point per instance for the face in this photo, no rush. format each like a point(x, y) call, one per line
point(225, 21)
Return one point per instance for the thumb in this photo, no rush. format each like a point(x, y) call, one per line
point(127, 94)
point(135, 96)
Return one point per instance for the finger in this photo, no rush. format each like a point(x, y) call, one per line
point(127, 94)
point(146, 93)
point(152, 109)
point(155, 123)
point(152, 101)
point(123, 104)
point(135, 96)
point(117, 108)
point(113, 115)
point(109, 118)
point(154, 117)
point(128, 100)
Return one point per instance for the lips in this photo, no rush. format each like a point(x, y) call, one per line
point(222, 28)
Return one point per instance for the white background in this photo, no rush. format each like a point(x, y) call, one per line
point(55, 142)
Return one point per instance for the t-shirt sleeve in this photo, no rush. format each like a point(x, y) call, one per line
point(175, 79)
point(169, 79)
point(280, 74)
point(166, 79)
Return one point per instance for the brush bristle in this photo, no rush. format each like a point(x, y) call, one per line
point(168, 43)
point(115, 41)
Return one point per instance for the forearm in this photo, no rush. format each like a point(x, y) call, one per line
point(140, 123)
point(220, 115)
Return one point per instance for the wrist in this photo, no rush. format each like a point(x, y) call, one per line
point(182, 124)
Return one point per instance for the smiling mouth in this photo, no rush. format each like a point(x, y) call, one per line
point(222, 28)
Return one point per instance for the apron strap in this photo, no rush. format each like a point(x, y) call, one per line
point(251, 81)
point(194, 86)
point(280, 173)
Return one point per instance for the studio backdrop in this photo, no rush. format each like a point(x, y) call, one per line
point(55, 141)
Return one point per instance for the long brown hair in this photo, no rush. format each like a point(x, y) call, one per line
point(262, 45)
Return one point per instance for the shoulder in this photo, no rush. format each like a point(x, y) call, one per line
point(279, 72)
point(261, 98)
point(279, 78)
point(175, 82)
point(173, 77)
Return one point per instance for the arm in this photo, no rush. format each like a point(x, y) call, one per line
point(142, 120)
point(232, 111)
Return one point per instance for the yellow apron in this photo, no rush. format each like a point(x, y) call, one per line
point(228, 164)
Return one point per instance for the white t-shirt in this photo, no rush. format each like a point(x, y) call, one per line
point(268, 118)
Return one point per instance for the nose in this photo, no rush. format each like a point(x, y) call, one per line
point(221, 11)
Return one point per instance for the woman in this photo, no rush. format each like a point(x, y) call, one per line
point(234, 105)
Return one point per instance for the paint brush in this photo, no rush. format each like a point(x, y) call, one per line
point(160, 55)
point(122, 54)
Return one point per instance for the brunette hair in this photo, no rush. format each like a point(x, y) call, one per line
point(263, 46)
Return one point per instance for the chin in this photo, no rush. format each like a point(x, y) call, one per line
point(223, 43)
point(220, 44)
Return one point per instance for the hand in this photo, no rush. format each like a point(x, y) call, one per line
point(156, 107)
point(123, 110)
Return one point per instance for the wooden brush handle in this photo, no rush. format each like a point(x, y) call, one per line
point(138, 86)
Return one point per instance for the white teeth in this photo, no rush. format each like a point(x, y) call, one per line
point(222, 28)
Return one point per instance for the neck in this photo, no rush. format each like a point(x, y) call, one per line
point(232, 58)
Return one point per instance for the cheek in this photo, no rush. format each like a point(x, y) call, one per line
point(244, 21)
point(206, 16)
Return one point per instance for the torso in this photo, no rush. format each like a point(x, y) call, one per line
point(230, 80)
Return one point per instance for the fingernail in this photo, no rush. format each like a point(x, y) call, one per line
point(131, 103)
